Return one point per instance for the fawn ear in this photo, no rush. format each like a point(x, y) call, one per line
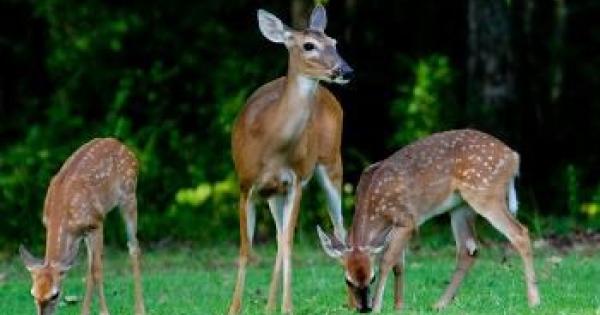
point(271, 27)
point(331, 245)
point(318, 19)
point(31, 262)
point(379, 243)
point(68, 261)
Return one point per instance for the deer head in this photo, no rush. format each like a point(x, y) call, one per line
point(312, 53)
point(358, 262)
point(47, 279)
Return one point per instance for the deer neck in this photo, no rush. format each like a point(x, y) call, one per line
point(60, 241)
point(369, 223)
point(296, 105)
point(366, 228)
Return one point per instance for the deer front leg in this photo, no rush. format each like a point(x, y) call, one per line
point(96, 241)
point(290, 220)
point(284, 209)
point(89, 281)
point(277, 207)
point(330, 179)
point(352, 305)
point(399, 282)
point(399, 238)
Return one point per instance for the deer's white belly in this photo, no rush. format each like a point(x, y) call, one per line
point(451, 202)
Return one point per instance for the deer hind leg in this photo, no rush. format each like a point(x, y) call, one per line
point(495, 210)
point(463, 220)
point(330, 179)
point(247, 221)
point(129, 212)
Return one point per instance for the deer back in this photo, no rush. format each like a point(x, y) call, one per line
point(92, 181)
point(426, 177)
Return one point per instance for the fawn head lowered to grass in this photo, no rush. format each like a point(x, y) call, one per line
point(99, 176)
point(463, 172)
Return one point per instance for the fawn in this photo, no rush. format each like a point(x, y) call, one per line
point(464, 172)
point(99, 176)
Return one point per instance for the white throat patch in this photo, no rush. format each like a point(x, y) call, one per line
point(306, 85)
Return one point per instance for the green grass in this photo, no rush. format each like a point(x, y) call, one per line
point(200, 281)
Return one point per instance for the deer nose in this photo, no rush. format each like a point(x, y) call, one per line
point(347, 72)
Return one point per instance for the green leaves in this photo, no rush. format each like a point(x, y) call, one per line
point(422, 105)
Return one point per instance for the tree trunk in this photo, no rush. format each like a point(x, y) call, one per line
point(490, 60)
point(558, 43)
point(350, 7)
point(300, 11)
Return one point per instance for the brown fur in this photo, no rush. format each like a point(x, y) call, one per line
point(359, 266)
point(255, 139)
point(100, 175)
point(288, 128)
point(419, 182)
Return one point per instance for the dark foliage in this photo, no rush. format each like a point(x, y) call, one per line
point(168, 79)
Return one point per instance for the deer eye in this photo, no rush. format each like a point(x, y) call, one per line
point(350, 284)
point(54, 296)
point(372, 280)
point(308, 46)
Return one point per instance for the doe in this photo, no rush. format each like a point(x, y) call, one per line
point(99, 176)
point(289, 129)
point(463, 172)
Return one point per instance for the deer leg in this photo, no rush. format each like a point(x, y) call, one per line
point(289, 219)
point(352, 305)
point(129, 212)
point(399, 240)
point(246, 204)
point(96, 239)
point(495, 210)
point(89, 281)
point(399, 282)
point(277, 207)
point(285, 215)
point(330, 179)
point(462, 219)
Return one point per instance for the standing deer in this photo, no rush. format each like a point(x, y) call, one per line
point(99, 176)
point(289, 129)
point(462, 172)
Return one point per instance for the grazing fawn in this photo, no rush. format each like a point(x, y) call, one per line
point(289, 129)
point(463, 172)
point(99, 176)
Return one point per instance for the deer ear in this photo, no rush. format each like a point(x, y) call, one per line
point(318, 19)
point(331, 245)
point(381, 241)
point(31, 262)
point(68, 261)
point(271, 27)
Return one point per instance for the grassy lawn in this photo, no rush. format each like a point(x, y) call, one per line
point(200, 281)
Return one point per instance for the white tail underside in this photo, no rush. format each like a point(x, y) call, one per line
point(513, 203)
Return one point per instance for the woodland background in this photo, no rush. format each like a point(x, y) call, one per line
point(168, 78)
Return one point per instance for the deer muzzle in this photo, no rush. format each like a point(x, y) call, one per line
point(343, 73)
point(362, 297)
